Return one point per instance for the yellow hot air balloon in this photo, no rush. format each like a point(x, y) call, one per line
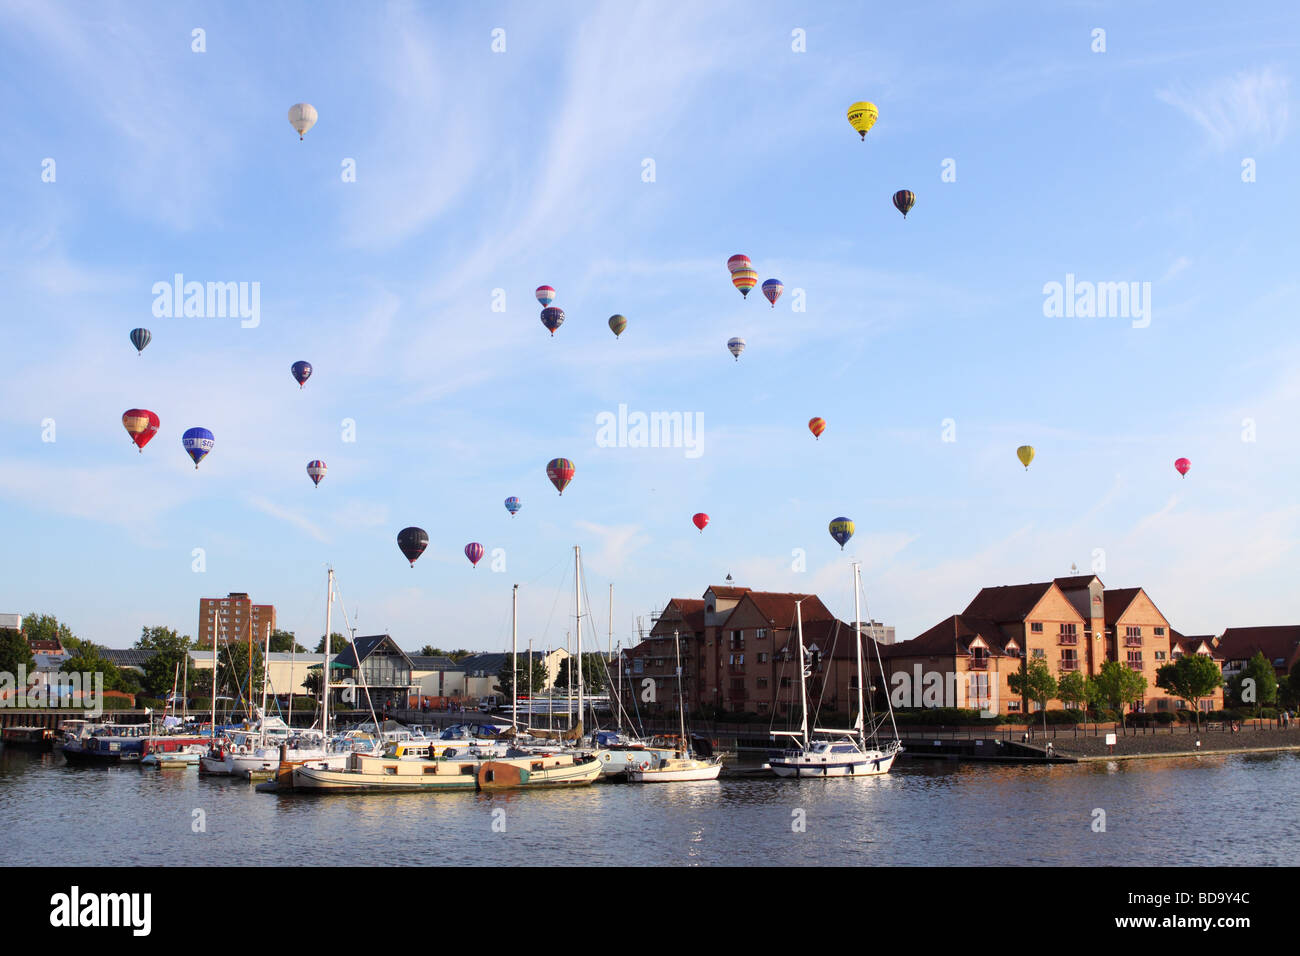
point(1026, 454)
point(862, 116)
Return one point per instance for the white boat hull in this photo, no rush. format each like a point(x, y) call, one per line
point(871, 764)
point(679, 775)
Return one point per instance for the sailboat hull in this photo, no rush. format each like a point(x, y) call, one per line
point(865, 765)
point(703, 770)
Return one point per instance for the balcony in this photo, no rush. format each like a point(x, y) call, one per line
point(1132, 642)
point(1133, 665)
point(1067, 639)
point(1069, 664)
point(979, 664)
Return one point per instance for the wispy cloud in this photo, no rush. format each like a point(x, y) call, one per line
point(268, 507)
point(1249, 109)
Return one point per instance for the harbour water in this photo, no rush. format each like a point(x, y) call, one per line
point(1234, 810)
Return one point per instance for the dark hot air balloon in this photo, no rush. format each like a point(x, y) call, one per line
point(140, 338)
point(904, 200)
point(301, 371)
point(552, 317)
point(841, 530)
point(412, 542)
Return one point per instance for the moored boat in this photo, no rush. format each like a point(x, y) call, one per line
point(539, 770)
point(28, 738)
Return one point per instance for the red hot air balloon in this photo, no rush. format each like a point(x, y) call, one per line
point(1184, 465)
point(474, 551)
point(737, 262)
point(560, 471)
point(701, 521)
point(817, 426)
point(141, 424)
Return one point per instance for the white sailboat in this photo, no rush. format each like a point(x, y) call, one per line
point(843, 753)
point(680, 766)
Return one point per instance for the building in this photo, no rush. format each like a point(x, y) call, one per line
point(1280, 646)
point(437, 676)
point(234, 619)
point(380, 670)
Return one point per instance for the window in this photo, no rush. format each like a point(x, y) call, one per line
point(762, 682)
point(1160, 632)
point(1013, 706)
point(762, 658)
point(1039, 653)
point(1036, 627)
point(760, 634)
point(1160, 655)
point(1069, 628)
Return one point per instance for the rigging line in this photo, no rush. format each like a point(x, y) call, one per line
point(554, 604)
point(356, 656)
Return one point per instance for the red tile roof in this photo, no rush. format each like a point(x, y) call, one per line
point(727, 593)
point(1075, 582)
point(1011, 602)
point(1116, 601)
point(1280, 641)
point(949, 638)
point(778, 607)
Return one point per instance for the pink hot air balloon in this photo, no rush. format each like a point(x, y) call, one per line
point(1183, 465)
point(474, 551)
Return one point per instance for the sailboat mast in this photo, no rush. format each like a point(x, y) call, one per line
point(214, 687)
point(185, 687)
point(681, 697)
point(857, 629)
point(611, 620)
point(577, 595)
point(325, 668)
point(266, 655)
point(514, 658)
point(803, 672)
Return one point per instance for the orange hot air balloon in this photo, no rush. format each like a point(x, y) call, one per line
point(817, 426)
point(141, 424)
point(744, 280)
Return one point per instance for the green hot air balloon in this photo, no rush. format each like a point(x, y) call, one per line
point(617, 324)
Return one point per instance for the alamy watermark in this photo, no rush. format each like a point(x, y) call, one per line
point(651, 430)
point(1098, 300)
point(945, 689)
point(81, 690)
point(208, 300)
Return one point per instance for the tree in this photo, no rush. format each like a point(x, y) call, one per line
point(15, 652)
point(1288, 691)
point(593, 674)
point(46, 627)
point(282, 642)
point(337, 643)
point(169, 650)
point(1255, 685)
point(234, 667)
point(1119, 686)
point(1072, 688)
point(504, 676)
point(86, 657)
point(1034, 682)
point(1191, 677)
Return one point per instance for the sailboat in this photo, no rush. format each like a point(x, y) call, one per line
point(682, 765)
point(844, 753)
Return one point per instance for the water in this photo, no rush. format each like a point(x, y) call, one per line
point(1231, 809)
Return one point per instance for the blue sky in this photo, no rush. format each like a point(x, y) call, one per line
point(479, 170)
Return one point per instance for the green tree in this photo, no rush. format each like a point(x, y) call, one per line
point(504, 676)
point(282, 642)
point(1034, 682)
point(1072, 690)
point(1288, 691)
point(15, 652)
point(46, 627)
point(1255, 685)
point(1191, 677)
point(593, 674)
point(169, 650)
point(86, 657)
point(1119, 686)
point(337, 643)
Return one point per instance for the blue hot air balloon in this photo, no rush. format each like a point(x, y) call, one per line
point(198, 442)
point(841, 530)
point(140, 338)
point(301, 372)
point(513, 505)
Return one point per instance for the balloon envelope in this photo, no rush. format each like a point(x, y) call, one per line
point(560, 471)
point(904, 200)
point(197, 443)
point(738, 262)
point(1026, 454)
point(735, 346)
point(773, 288)
point(141, 424)
point(474, 551)
point(841, 530)
point(412, 542)
point(617, 324)
point(552, 317)
point(302, 117)
point(817, 426)
point(301, 371)
point(545, 295)
point(316, 471)
point(140, 338)
point(701, 520)
point(513, 505)
point(862, 116)
point(744, 280)
point(1183, 465)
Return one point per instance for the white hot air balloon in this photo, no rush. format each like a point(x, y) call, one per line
point(736, 346)
point(302, 117)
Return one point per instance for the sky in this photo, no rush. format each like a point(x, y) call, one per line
point(466, 154)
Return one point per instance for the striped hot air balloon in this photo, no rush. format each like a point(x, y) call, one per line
point(474, 551)
point(744, 280)
point(513, 505)
point(197, 443)
point(316, 471)
point(545, 295)
point(141, 424)
point(560, 471)
point(617, 324)
point(904, 200)
point(140, 338)
point(773, 288)
point(735, 346)
point(817, 426)
point(738, 262)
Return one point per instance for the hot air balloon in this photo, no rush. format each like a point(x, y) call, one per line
point(817, 426)
point(412, 542)
point(197, 442)
point(140, 338)
point(617, 324)
point(862, 116)
point(904, 200)
point(841, 530)
point(474, 551)
point(560, 471)
point(513, 505)
point(736, 346)
point(1026, 454)
point(1183, 465)
point(744, 280)
point(552, 317)
point(316, 471)
point(545, 295)
point(738, 262)
point(301, 371)
point(701, 521)
point(302, 117)
point(773, 288)
point(141, 424)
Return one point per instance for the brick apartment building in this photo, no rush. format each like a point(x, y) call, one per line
point(234, 619)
